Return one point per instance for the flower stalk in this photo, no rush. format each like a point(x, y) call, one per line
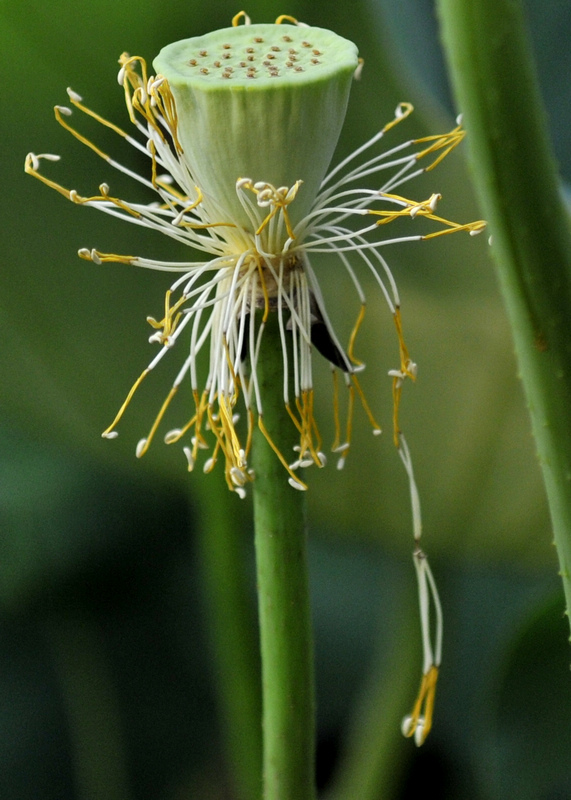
point(288, 719)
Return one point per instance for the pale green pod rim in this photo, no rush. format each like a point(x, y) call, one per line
point(265, 102)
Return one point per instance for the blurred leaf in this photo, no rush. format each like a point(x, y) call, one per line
point(527, 744)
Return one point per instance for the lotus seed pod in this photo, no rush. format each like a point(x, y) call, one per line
point(264, 102)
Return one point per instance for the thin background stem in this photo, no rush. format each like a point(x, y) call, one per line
point(233, 635)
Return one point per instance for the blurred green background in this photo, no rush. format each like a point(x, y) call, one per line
point(106, 671)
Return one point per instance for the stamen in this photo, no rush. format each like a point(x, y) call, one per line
point(241, 15)
point(121, 411)
point(353, 336)
point(144, 444)
point(374, 424)
point(294, 481)
point(286, 18)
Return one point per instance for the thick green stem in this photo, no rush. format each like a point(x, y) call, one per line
point(283, 596)
point(514, 173)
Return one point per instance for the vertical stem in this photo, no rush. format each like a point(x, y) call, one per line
point(283, 596)
point(514, 173)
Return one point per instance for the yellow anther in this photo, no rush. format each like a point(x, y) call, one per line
point(100, 258)
point(423, 708)
point(306, 426)
point(336, 419)
point(76, 198)
point(169, 322)
point(74, 99)
point(374, 424)
point(240, 15)
point(126, 402)
point(397, 391)
point(405, 360)
point(226, 406)
point(353, 336)
point(30, 169)
point(472, 227)
point(403, 110)
point(147, 442)
point(407, 370)
point(278, 199)
point(78, 135)
point(264, 290)
point(174, 437)
point(424, 208)
point(132, 80)
point(445, 142)
point(166, 108)
point(286, 18)
point(277, 451)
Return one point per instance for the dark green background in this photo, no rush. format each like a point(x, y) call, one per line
point(103, 630)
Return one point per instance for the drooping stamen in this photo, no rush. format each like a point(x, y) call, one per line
point(419, 722)
point(294, 481)
point(144, 444)
point(407, 370)
point(109, 431)
point(353, 337)
point(374, 424)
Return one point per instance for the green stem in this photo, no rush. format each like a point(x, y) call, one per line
point(514, 174)
point(283, 596)
point(232, 630)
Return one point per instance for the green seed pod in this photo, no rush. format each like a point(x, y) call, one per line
point(265, 102)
